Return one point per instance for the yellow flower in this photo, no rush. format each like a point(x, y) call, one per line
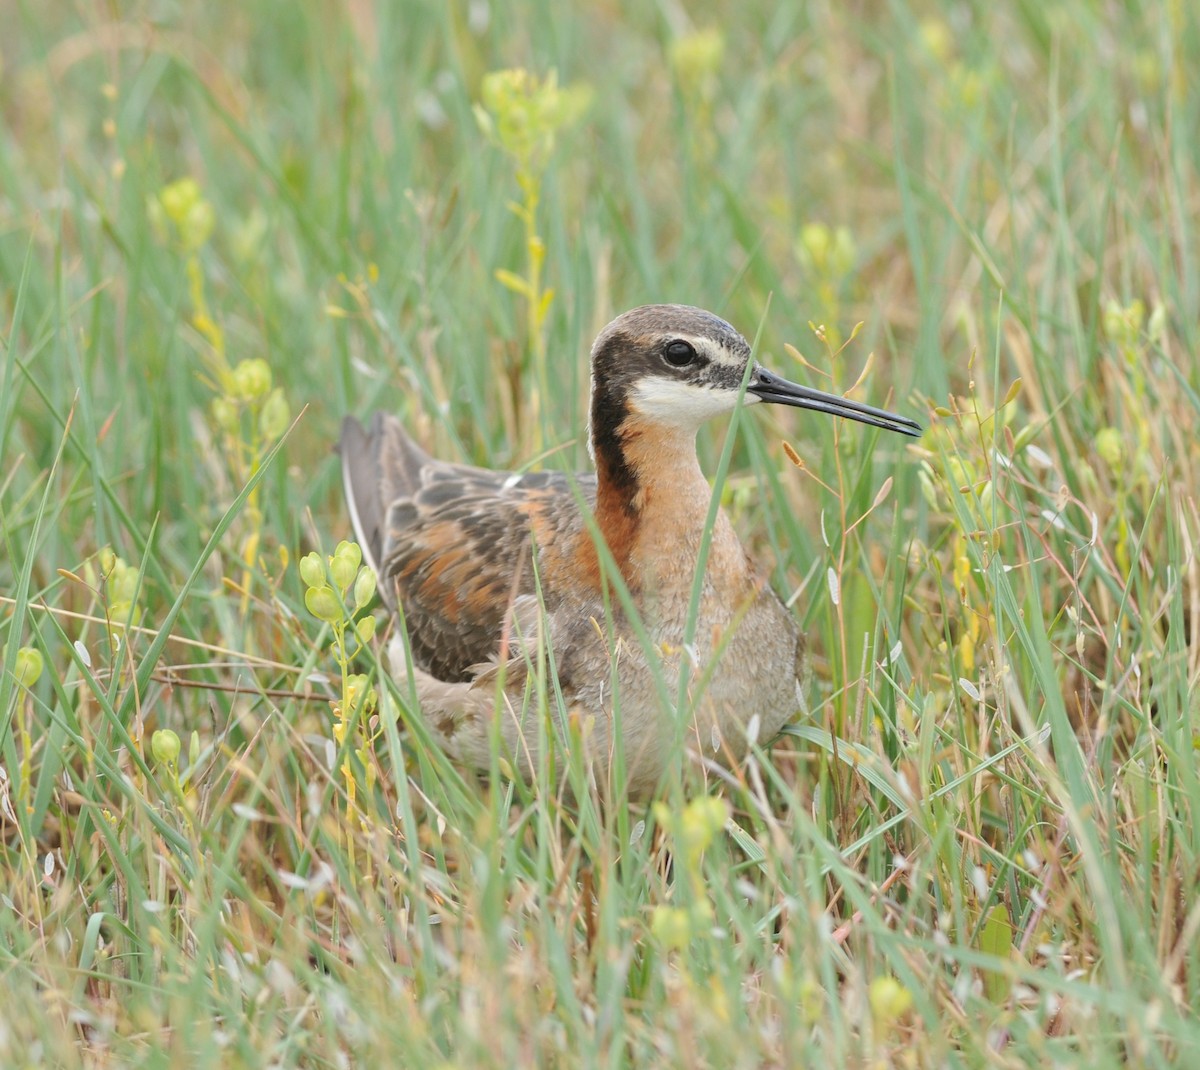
point(889, 1000)
point(671, 927)
point(523, 114)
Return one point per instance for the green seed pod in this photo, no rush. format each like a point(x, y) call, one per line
point(843, 254)
point(225, 415)
point(1110, 447)
point(928, 482)
point(29, 665)
point(276, 413)
point(165, 746)
point(364, 630)
point(178, 198)
point(252, 379)
point(123, 582)
point(323, 603)
point(196, 227)
point(349, 551)
point(1156, 327)
point(364, 586)
point(343, 565)
point(813, 246)
point(312, 570)
point(987, 500)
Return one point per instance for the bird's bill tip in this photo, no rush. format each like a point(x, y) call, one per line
point(774, 389)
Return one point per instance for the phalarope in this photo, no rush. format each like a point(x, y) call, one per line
point(486, 565)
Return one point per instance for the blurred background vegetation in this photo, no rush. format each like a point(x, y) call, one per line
point(219, 219)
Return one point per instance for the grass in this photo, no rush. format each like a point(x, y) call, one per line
point(981, 848)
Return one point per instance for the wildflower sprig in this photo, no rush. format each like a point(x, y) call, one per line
point(122, 586)
point(183, 218)
point(166, 748)
point(693, 831)
point(827, 256)
point(1125, 448)
point(27, 669)
point(338, 589)
point(251, 414)
point(695, 60)
point(523, 115)
point(249, 411)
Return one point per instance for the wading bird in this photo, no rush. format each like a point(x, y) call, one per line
point(492, 569)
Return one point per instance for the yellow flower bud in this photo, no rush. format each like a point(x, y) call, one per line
point(523, 114)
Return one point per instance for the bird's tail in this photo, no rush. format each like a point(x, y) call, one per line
point(379, 465)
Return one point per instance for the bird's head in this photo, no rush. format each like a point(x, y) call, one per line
point(677, 366)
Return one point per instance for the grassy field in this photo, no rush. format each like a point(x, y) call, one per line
point(224, 226)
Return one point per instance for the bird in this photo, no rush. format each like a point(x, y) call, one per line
point(492, 569)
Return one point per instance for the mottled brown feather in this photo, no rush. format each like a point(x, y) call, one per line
point(454, 549)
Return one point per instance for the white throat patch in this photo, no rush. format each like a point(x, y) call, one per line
point(683, 404)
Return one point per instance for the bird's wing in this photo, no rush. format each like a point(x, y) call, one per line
point(456, 557)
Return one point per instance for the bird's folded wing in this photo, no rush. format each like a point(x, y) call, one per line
point(457, 556)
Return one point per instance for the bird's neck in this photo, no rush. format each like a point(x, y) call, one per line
point(652, 498)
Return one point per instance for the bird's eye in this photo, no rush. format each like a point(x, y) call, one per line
point(679, 353)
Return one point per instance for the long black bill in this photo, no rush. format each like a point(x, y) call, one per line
point(772, 388)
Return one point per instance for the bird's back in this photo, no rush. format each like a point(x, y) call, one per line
point(452, 543)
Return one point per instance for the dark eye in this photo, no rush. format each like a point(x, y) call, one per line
point(679, 353)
